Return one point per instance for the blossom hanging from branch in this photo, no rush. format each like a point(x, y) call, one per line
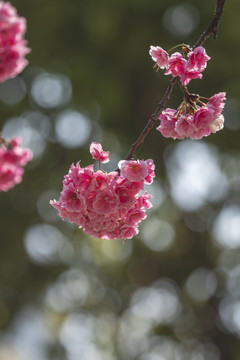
point(190, 120)
point(161, 58)
point(106, 205)
point(178, 65)
point(13, 47)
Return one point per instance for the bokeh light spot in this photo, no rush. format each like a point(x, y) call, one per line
point(46, 244)
point(71, 290)
point(226, 228)
point(73, 129)
point(33, 127)
point(229, 312)
point(51, 91)
point(45, 210)
point(158, 303)
point(115, 251)
point(194, 174)
point(157, 192)
point(233, 281)
point(181, 20)
point(201, 285)
point(157, 235)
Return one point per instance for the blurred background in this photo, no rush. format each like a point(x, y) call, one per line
point(173, 291)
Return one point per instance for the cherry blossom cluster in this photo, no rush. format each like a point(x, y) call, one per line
point(194, 118)
point(12, 159)
point(12, 44)
point(178, 65)
point(106, 205)
point(193, 121)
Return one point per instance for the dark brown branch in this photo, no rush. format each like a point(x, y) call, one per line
point(153, 119)
point(211, 29)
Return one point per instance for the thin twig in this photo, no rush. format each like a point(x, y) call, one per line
point(211, 29)
point(153, 119)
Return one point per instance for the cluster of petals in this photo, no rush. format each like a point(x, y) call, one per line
point(193, 122)
point(106, 205)
point(177, 65)
point(12, 159)
point(12, 44)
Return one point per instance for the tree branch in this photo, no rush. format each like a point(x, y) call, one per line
point(153, 119)
point(211, 29)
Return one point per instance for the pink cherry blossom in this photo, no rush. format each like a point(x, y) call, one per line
point(12, 158)
point(10, 175)
point(126, 190)
point(100, 180)
point(193, 122)
point(151, 174)
point(106, 205)
point(79, 176)
point(133, 170)
point(168, 119)
point(200, 133)
point(217, 123)
point(184, 126)
point(72, 200)
point(177, 65)
point(159, 55)
point(98, 153)
point(12, 44)
point(196, 64)
point(216, 102)
point(203, 117)
point(105, 201)
point(127, 232)
point(197, 59)
point(189, 75)
point(143, 201)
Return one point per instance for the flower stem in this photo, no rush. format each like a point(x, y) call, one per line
point(176, 46)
